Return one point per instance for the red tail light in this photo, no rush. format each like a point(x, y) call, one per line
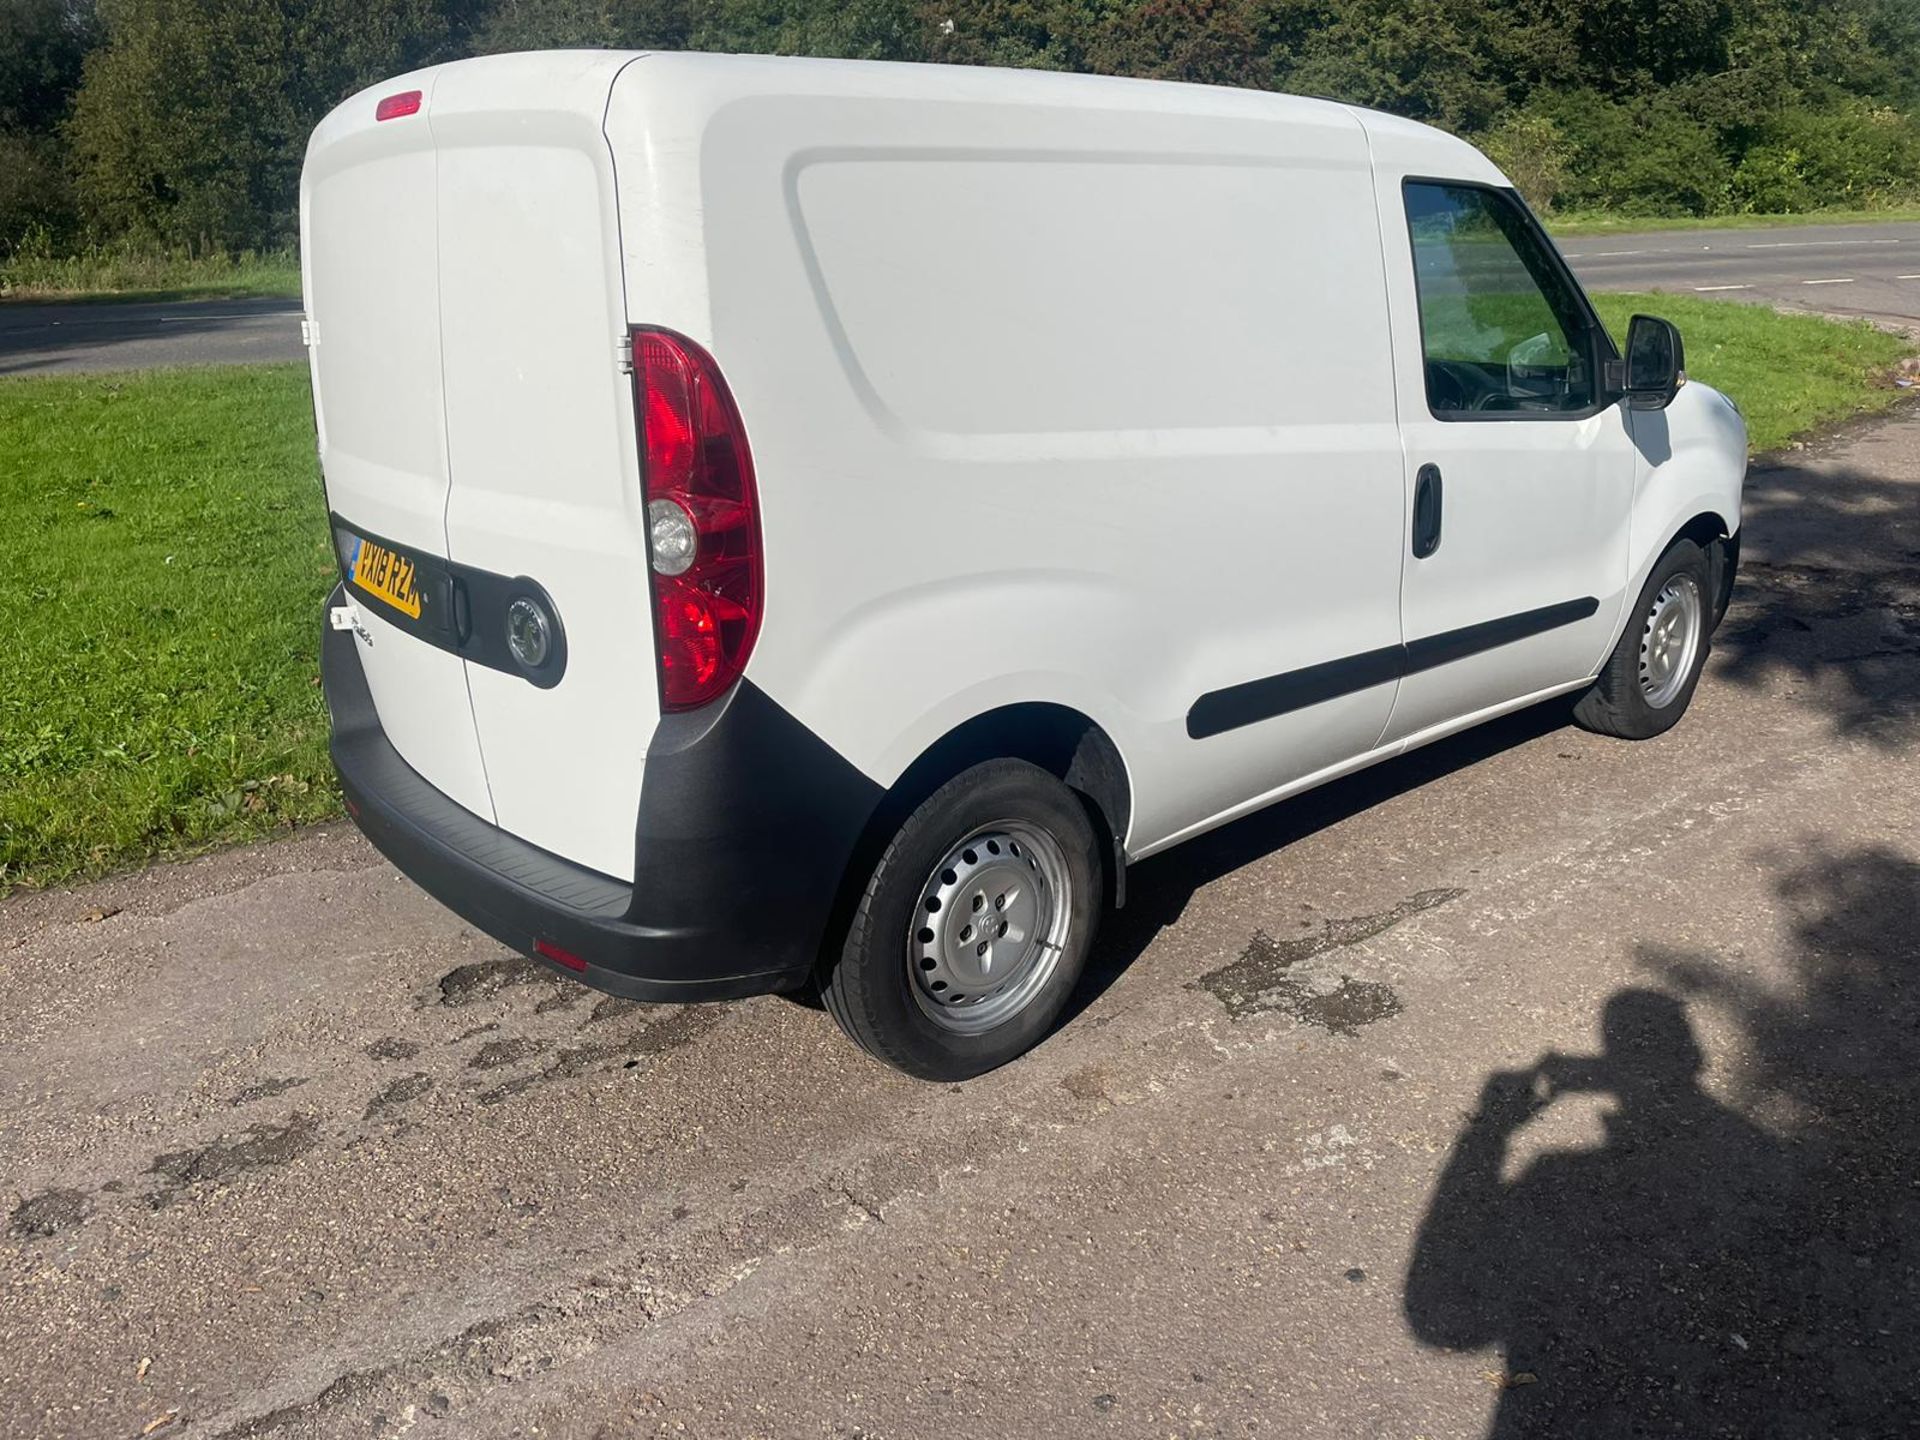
point(703, 517)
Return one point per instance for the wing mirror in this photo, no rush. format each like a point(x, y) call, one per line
point(1655, 367)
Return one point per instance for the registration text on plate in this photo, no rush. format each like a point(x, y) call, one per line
point(389, 576)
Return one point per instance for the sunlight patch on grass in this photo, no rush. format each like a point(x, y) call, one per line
point(1788, 373)
point(167, 563)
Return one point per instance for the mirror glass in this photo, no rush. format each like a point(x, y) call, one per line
point(1651, 362)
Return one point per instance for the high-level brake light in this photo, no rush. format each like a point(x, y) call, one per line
point(393, 107)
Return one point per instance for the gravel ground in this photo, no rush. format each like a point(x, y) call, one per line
point(1535, 1084)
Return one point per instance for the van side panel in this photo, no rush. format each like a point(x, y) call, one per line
point(1086, 401)
point(540, 426)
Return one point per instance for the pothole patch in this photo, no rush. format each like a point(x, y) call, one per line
point(1282, 976)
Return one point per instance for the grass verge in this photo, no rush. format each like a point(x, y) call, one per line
point(1788, 373)
point(110, 275)
point(1575, 223)
point(159, 691)
point(167, 559)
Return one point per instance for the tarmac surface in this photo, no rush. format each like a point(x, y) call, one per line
point(47, 339)
point(1865, 270)
point(1535, 1084)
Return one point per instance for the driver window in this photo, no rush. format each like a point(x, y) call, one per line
point(1501, 330)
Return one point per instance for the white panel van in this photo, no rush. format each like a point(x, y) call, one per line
point(807, 523)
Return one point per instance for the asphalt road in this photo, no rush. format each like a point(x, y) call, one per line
point(1870, 270)
point(1850, 270)
point(1533, 1085)
point(47, 339)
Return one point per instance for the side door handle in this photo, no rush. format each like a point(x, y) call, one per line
point(1428, 494)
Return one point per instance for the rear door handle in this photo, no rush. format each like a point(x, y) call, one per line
point(1428, 495)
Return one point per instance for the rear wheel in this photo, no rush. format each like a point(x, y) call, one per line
point(973, 926)
point(1650, 677)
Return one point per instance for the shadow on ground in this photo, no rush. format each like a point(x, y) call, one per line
point(1699, 1275)
point(1159, 889)
point(1829, 596)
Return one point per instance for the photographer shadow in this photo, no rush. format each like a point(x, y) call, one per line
point(1698, 1275)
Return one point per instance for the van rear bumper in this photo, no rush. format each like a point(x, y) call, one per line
point(737, 869)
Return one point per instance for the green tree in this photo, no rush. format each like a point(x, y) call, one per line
point(43, 47)
point(1533, 152)
point(43, 44)
point(1418, 58)
point(192, 117)
point(1628, 42)
point(1208, 42)
point(612, 24)
point(843, 29)
point(1023, 34)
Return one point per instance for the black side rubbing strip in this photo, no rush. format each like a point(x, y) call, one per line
point(1219, 711)
point(1436, 650)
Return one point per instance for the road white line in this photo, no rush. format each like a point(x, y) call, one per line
point(288, 315)
point(1812, 244)
point(1606, 254)
point(1847, 281)
point(1907, 277)
point(1705, 289)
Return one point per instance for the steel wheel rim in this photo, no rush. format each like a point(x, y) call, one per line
point(993, 920)
point(1671, 641)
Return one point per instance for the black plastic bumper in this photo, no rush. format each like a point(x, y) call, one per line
point(747, 821)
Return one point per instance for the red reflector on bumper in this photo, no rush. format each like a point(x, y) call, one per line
point(550, 951)
point(407, 102)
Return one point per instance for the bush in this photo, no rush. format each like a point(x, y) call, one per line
point(1639, 158)
point(45, 268)
point(1853, 156)
point(36, 205)
point(1533, 151)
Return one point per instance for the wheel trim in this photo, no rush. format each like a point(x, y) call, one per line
point(993, 920)
point(1670, 641)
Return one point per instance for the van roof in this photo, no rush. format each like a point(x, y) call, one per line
point(1416, 147)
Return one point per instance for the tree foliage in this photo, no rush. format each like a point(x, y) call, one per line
point(192, 117)
point(184, 121)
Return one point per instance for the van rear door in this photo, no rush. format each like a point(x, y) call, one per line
point(466, 290)
point(369, 270)
point(541, 437)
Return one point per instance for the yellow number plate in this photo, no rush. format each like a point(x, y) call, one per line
point(380, 572)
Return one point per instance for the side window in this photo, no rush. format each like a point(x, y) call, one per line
point(1502, 330)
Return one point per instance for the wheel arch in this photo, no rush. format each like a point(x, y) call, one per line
point(1721, 542)
point(1059, 739)
point(1703, 529)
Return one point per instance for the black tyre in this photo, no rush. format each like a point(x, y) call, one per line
point(973, 926)
point(1650, 677)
